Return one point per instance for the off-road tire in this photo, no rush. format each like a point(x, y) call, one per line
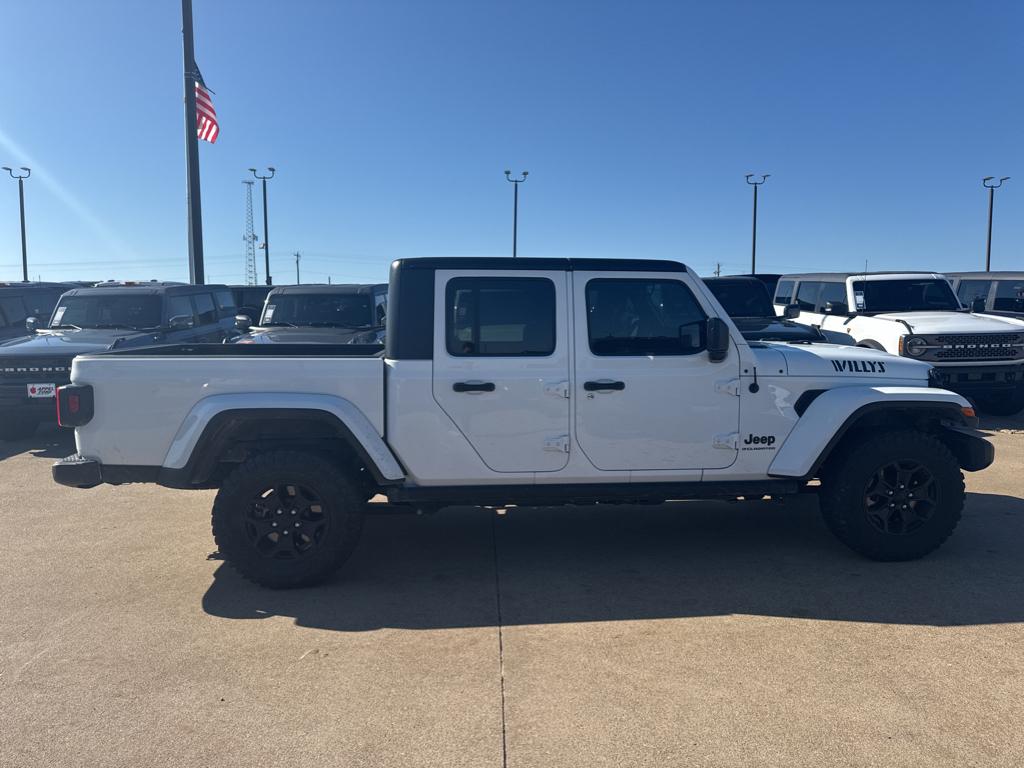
point(242, 516)
point(850, 493)
point(14, 427)
point(1006, 404)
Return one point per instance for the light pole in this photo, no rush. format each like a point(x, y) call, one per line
point(515, 206)
point(753, 245)
point(297, 257)
point(991, 201)
point(21, 199)
point(266, 238)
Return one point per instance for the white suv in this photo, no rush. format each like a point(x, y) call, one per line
point(916, 315)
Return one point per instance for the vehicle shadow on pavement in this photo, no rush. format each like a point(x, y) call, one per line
point(627, 563)
point(46, 443)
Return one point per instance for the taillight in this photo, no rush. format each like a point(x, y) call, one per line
point(74, 405)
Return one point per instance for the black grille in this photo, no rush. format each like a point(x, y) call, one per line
point(42, 370)
point(978, 346)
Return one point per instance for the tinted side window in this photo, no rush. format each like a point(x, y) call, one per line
point(1009, 296)
point(969, 290)
point(225, 303)
point(784, 292)
point(205, 311)
point(500, 316)
point(179, 305)
point(13, 309)
point(834, 293)
point(807, 296)
point(644, 317)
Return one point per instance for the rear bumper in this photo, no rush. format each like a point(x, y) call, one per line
point(77, 472)
point(82, 472)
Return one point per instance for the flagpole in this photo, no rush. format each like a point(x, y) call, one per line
point(196, 273)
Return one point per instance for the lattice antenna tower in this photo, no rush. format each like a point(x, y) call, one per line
point(249, 238)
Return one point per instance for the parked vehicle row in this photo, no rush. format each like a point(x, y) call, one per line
point(917, 315)
point(526, 381)
point(112, 316)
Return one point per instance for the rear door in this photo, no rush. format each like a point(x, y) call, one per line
point(208, 327)
point(646, 395)
point(501, 364)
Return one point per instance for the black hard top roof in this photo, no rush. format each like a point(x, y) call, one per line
point(561, 265)
point(155, 289)
point(336, 288)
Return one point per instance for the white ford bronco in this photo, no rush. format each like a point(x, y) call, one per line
point(916, 315)
point(524, 382)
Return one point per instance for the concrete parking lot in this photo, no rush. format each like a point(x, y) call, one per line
point(687, 634)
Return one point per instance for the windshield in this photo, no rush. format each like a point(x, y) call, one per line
point(742, 298)
point(110, 311)
point(904, 295)
point(349, 310)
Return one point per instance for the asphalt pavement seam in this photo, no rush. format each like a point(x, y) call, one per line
point(501, 643)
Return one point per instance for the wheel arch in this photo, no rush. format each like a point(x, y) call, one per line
point(230, 432)
point(838, 416)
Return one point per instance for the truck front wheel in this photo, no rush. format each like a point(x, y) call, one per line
point(287, 519)
point(897, 495)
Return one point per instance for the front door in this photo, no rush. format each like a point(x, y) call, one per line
point(501, 365)
point(646, 395)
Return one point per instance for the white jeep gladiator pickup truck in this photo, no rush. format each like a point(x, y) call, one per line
point(916, 315)
point(524, 382)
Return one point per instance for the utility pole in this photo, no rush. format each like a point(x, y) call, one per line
point(515, 206)
point(753, 247)
point(21, 200)
point(266, 233)
point(297, 257)
point(196, 271)
point(991, 202)
point(718, 269)
point(249, 237)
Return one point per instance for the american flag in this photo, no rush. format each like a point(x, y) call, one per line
point(206, 115)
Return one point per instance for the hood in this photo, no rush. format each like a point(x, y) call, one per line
point(774, 329)
point(833, 360)
point(950, 322)
point(70, 342)
point(300, 335)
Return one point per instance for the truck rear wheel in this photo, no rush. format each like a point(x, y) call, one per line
point(894, 496)
point(287, 519)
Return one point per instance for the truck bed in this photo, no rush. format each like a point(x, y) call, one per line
point(144, 397)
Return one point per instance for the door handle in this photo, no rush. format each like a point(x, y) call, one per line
point(473, 386)
point(604, 385)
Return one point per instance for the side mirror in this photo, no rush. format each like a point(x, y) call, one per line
point(791, 311)
point(31, 324)
point(181, 322)
point(718, 339)
point(243, 323)
point(978, 304)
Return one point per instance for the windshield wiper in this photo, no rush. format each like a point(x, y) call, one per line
point(114, 327)
point(66, 325)
point(281, 324)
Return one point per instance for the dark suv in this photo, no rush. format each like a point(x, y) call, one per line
point(321, 314)
point(111, 315)
point(20, 301)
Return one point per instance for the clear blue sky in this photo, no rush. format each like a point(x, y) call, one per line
point(390, 124)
